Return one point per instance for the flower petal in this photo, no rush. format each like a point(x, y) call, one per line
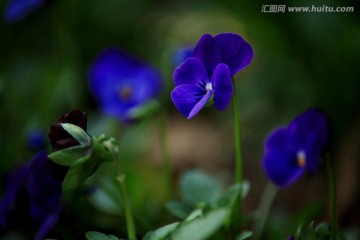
point(235, 51)
point(120, 82)
point(192, 71)
point(223, 87)
point(280, 162)
point(47, 224)
point(208, 51)
point(310, 132)
point(15, 10)
point(44, 191)
point(190, 99)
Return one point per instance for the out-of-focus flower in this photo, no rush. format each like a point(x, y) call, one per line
point(295, 149)
point(59, 138)
point(36, 140)
point(208, 73)
point(43, 196)
point(180, 54)
point(121, 83)
point(15, 10)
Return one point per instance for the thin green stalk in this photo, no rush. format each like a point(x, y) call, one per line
point(238, 207)
point(238, 152)
point(263, 210)
point(121, 179)
point(165, 153)
point(128, 215)
point(332, 197)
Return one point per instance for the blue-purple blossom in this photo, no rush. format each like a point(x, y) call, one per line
point(208, 73)
point(36, 140)
point(15, 10)
point(32, 186)
point(121, 83)
point(180, 54)
point(292, 150)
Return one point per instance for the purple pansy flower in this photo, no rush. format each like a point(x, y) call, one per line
point(33, 186)
point(209, 71)
point(295, 149)
point(15, 10)
point(36, 140)
point(121, 83)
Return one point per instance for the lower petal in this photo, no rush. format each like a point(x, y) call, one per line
point(279, 161)
point(223, 87)
point(190, 99)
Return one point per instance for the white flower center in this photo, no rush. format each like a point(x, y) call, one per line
point(208, 87)
point(301, 158)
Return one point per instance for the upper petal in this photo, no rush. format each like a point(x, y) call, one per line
point(208, 52)
point(280, 162)
point(192, 71)
point(190, 99)
point(310, 133)
point(120, 82)
point(235, 51)
point(223, 87)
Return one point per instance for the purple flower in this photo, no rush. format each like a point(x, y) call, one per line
point(180, 54)
point(32, 186)
point(36, 140)
point(15, 10)
point(295, 149)
point(208, 73)
point(121, 84)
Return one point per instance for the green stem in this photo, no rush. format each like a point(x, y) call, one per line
point(263, 210)
point(332, 196)
point(128, 215)
point(238, 152)
point(238, 206)
point(165, 153)
point(121, 179)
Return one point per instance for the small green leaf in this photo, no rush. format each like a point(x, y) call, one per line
point(201, 228)
point(79, 172)
point(92, 235)
point(322, 230)
point(194, 214)
point(144, 109)
point(68, 156)
point(178, 209)
point(161, 233)
point(198, 187)
point(244, 235)
point(77, 133)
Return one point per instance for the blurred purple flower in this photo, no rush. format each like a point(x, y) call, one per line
point(180, 54)
point(15, 10)
point(43, 195)
point(36, 140)
point(292, 150)
point(208, 73)
point(121, 83)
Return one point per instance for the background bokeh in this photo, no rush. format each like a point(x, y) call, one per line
point(300, 60)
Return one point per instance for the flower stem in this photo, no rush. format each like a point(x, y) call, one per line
point(121, 179)
point(263, 210)
point(238, 152)
point(332, 196)
point(128, 215)
point(238, 206)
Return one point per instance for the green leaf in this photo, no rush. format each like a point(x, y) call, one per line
point(322, 230)
point(161, 233)
point(77, 133)
point(194, 214)
point(92, 235)
point(244, 235)
point(178, 209)
point(201, 228)
point(68, 156)
point(198, 187)
point(79, 172)
point(144, 109)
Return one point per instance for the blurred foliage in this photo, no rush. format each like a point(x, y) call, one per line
point(301, 60)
